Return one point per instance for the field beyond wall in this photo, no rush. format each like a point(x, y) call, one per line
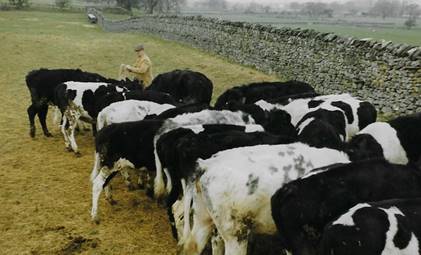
point(45, 191)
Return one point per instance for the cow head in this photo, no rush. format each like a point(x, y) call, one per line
point(363, 146)
point(279, 122)
point(231, 95)
point(129, 85)
point(320, 134)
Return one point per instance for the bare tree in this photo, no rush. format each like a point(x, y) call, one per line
point(386, 8)
point(413, 11)
point(151, 6)
point(170, 5)
point(213, 4)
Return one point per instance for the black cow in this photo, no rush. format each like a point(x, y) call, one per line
point(303, 207)
point(41, 84)
point(251, 93)
point(187, 87)
point(389, 227)
point(398, 140)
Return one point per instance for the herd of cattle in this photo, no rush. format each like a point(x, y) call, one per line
point(271, 158)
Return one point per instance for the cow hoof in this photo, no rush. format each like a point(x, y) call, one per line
point(68, 149)
point(96, 220)
point(78, 154)
point(149, 193)
point(48, 134)
point(112, 201)
point(131, 187)
point(32, 132)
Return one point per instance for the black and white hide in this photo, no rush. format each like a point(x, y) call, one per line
point(357, 114)
point(390, 227)
point(42, 83)
point(129, 110)
point(303, 207)
point(398, 140)
point(131, 144)
point(74, 99)
point(233, 194)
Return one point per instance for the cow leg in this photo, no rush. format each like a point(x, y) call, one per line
point(188, 196)
point(126, 176)
point(101, 180)
point(64, 132)
point(94, 131)
point(217, 244)
point(174, 194)
point(97, 162)
point(73, 120)
point(42, 115)
point(57, 116)
point(169, 182)
point(32, 111)
point(203, 226)
point(159, 184)
point(97, 186)
point(108, 194)
point(143, 178)
point(234, 246)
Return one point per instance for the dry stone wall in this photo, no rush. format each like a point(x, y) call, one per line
point(382, 72)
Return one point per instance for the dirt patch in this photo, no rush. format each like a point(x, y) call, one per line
point(77, 245)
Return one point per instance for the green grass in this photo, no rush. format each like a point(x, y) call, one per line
point(397, 35)
point(393, 30)
point(49, 39)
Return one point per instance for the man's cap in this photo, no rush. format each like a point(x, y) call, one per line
point(139, 47)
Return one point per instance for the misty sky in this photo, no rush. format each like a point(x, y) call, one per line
point(302, 1)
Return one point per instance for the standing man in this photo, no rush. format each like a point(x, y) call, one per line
point(141, 69)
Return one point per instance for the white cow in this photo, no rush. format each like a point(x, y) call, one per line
point(234, 192)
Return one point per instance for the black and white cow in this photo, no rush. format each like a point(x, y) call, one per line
point(180, 109)
point(72, 98)
point(328, 114)
point(179, 149)
point(251, 93)
point(357, 114)
point(398, 140)
point(303, 207)
point(131, 144)
point(187, 87)
point(102, 100)
point(234, 192)
point(129, 110)
point(274, 121)
point(42, 83)
point(390, 227)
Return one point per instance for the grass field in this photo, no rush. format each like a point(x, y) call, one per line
point(45, 191)
point(389, 29)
